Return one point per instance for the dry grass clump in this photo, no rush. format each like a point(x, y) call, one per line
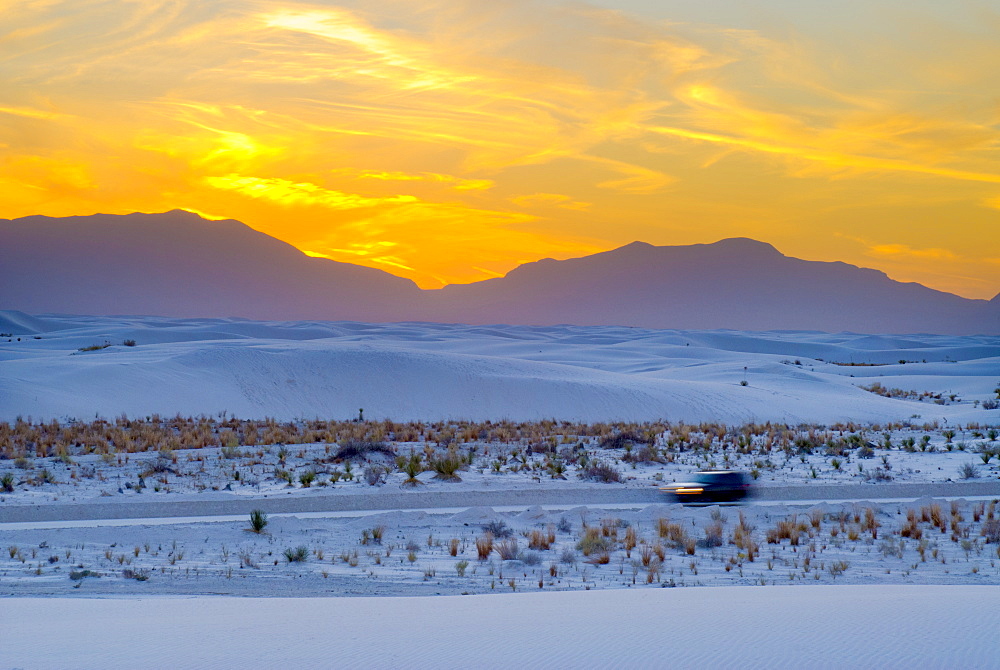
point(674, 533)
point(592, 542)
point(609, 528)
point(630, 541)
point(870, 523)
point(786, 529)
point(506, 549)
point(540, 540)
point(934, 515)
point(484, 546)
point(743, 538)
point(911, 528)
point(600, 558)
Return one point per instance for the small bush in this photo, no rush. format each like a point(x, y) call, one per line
point(620, 440)
point(592, 542)
point(498, 529)
point(7, 483)
point(128, 343)
point(358, 449)
point(529, 557)
point(137, 575)
point(460, 568)
point(297, 555)
point(307, 478)
point(601, 472)
point(991, 531)
point(968, 471)
point(375, 475)
point(77, 575)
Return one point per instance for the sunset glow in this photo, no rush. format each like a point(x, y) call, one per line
point(450, 141)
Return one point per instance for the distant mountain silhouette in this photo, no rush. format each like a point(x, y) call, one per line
point(734, 283)
point(178, 264)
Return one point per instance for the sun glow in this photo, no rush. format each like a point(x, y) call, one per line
point(448, 142)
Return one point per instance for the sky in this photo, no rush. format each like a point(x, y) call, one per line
point(449, 142)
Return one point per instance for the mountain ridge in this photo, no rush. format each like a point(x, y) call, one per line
point(179, 264)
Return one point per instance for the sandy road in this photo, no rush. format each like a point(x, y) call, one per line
point(386, 498)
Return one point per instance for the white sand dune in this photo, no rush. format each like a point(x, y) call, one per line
point(868, 626)
point(423, 371)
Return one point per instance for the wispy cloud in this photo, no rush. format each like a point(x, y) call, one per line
point(289, 193)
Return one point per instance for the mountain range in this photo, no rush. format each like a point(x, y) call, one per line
point(178, 264)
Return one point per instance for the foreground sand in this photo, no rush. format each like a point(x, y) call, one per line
point(730, 627)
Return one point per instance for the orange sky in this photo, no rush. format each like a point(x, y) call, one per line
point(451, 141)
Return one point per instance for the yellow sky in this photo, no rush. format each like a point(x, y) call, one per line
point(451, 141)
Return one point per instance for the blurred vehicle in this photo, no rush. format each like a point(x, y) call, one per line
point(715, 486)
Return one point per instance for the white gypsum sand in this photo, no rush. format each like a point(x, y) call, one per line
point(59, 367)
point(872, 626)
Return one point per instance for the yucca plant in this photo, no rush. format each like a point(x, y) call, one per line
point(258, 520)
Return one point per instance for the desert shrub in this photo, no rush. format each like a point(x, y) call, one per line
point(564, 526)
point(592, 542)
point(968, 471)
point(297, 555)
point(991, 530)
point(128, 343)
point(878, 474)
point(357, 449)
point(137, 575)
point(891, 547)
point(96, 347)
point(77, 575)
point(7, 483)
point(620, 440)
point(460, 568)
point(498, 529)
point(567, 556)
point(375, 475)
point(713, 535)
point(991, 404)
point(529, 557)
point(258, 520)
point(601, 472)
point(307, 478)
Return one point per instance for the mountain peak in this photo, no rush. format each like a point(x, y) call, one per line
point(745, 245)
